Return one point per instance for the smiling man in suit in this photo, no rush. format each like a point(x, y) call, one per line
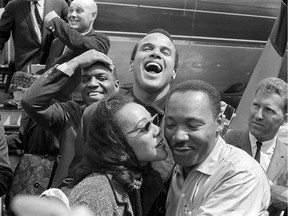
point(268, 112)
point(74, 38)
point(24, 19)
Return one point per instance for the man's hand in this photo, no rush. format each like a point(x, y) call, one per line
point(88, 58)
point(226, 123)
point(51, 15)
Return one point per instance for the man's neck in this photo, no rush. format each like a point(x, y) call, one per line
point(86, 31)
point(187, 170)
point(149, 97)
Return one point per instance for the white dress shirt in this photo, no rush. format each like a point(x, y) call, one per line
point(267, 150)
point(228, 182)
point(40, 6)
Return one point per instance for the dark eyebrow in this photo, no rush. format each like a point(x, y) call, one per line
point(146, 44)
point(189, 119)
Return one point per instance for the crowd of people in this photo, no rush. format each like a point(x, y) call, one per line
point(147, 150)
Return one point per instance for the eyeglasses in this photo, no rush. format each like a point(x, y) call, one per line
point(146, 128)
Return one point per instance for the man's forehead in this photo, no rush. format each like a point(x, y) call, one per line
point(96, 69)
point(87, 4)
point(155, 38)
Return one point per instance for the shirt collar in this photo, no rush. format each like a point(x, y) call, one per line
point(210, 164)
point(40, 2)
point(266, 145)
point(158, 105)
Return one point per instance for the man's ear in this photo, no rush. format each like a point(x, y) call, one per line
point(94, 15)
point(174, 74)
point(131, 66)
point(117, 85)
point(285, 119)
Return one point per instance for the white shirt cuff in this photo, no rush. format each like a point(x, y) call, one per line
point(65, 69)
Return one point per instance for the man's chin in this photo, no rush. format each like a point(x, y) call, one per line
point(94, 99)
point(74, 26)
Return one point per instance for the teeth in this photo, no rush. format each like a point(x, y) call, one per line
point(181, 148)
point(93, 93)
point(153, 67)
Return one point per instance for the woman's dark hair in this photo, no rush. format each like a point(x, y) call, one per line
point(107, 150)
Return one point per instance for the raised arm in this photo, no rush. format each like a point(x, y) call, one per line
point(38, 100)
point(77, 42)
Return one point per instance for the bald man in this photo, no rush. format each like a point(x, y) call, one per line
point(74, 38)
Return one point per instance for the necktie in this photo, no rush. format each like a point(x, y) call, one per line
point(258, 151)
point(37, 15)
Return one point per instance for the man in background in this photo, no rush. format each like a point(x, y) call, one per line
point(267, 114)
point(24, 19)
point(74, 38)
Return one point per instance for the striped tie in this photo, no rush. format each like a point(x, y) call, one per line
point(37, 15)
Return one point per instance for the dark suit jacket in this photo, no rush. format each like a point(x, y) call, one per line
point(60, 119)
point(6, 174)
point(76, 45)
point(17, 19)
point(278, 163)
point(76, 42)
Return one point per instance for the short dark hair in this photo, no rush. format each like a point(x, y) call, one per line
point(161, 31)
point(277, 86)
point(200, 86)
point(107, 150)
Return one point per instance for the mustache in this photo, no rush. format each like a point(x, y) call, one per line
point(179, 145)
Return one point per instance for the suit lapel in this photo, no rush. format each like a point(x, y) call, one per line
point(244, 142)
point(47, 9)
point(29, 20)
point(278, 160)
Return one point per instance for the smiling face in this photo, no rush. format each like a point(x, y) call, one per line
point(141, 134)
point(266, 115)
point(190, 127)
point(154, 62)
point(82, 14)
point(96, 82)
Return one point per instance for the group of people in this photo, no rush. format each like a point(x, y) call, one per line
point(153, 149)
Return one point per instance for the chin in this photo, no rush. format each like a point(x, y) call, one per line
point(91, 100)
point(96, 99)
point(183, 161)
point(76, 27)
point(162, 155)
